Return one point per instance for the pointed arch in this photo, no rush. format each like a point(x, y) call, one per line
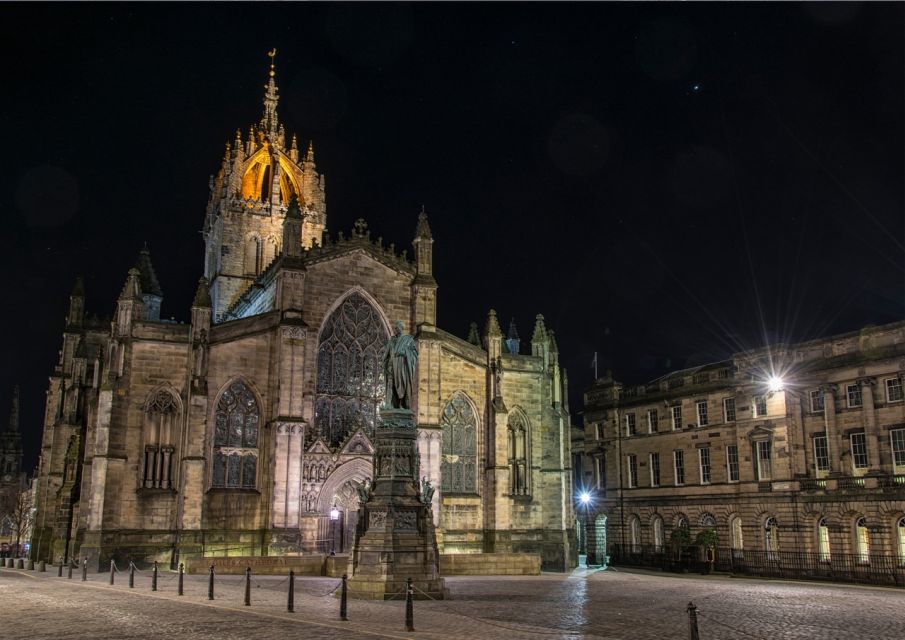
point(237, 419)
point(518, 433)
point(349, 382)
point(254, 254)
point(356, 470)
point(458, 448)
point(160, 433)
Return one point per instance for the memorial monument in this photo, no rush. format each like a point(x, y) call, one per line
point(395, 539)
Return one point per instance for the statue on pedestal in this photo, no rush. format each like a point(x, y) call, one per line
point(400, 357)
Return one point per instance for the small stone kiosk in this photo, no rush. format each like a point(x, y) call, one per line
point(395, 539)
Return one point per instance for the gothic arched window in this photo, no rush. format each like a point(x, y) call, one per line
point(161, 425)
point(236, 438)
point(518, 455)
point(459, 447)
point(349, 372)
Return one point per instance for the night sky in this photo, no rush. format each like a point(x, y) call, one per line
point(666, 183)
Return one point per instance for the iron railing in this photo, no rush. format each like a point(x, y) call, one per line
point(836, 567)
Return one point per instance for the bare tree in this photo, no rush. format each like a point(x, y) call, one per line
point(17, 507)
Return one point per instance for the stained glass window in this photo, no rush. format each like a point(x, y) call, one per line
point(459, 447)
point(236, 438)
point(349, 376)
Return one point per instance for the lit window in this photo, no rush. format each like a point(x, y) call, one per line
point(632, 471)
point(652, 421)
point(816, 400)
point(897, 438)
point(732, 462)
point(635, 534)
point(704, 460)
point(702, 413)
point(729, 409)
point(738, 540)
point(236, 438)
point(859, 450)
point(764, 463)
point(655, 469)
point(771, 538)
point(894, 391)
point(760, 406)
point(678, 462)
point(823, 540)
point(821, 453)
point(853, 395)
point(676, 416)
point(629, 424)
point(657, 527)
point(708, 521)
point(862, 540)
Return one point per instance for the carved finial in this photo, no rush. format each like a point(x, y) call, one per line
point(473, 336)
point(202, 294)
point(273, 54)
point(270, 122)
point(309, 155)
point(492, 328)
point(540, 330)
point(423, 230)
point(360, 228)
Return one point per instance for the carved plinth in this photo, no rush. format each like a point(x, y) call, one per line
point(395, 538)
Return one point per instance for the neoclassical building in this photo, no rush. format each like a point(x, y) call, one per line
point(793, 454)
point(237, 432)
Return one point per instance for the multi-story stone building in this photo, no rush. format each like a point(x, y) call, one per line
point(796, 448)
point(239, 431)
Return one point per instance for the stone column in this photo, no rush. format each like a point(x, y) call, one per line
point(829, 420)
point(870, 422)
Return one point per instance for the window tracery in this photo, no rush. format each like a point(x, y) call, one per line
point(518, 455)
point(458, 447)
point(349, 376)
point(236, 438)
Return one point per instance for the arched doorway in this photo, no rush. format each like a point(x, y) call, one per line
point(597, 543)
point(340, 490)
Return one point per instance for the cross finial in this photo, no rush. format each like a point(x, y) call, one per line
point(273, 54)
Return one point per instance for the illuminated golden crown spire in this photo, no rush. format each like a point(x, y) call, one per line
point(270, 123)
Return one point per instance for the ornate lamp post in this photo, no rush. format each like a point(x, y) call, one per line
point(334, 516)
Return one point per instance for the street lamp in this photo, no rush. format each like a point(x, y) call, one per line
point(334, 516)
point(775, 383)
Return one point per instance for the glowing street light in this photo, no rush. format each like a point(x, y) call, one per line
point(775, 383)
point(334, 516)
point(585, 498)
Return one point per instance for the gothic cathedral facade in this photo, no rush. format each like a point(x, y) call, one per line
point(239, 432)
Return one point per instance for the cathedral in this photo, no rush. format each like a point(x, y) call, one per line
point(247, 431)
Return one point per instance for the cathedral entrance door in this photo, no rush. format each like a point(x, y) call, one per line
point(346, 501)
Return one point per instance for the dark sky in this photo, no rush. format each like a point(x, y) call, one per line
point(666, 183)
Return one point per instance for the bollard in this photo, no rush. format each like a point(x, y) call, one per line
point(42, 566)
point(112, 569)
point(69, 571)
point(248, 586)
point(290, 604)
point(343, 599)
point(60, 568)
point(131, 575)
point(409, 609)
point(20, 563)
point(31, 564)
point(693, 622)
point(210, 585)
point(180, 590)
point(84, 569)
point(154, 577)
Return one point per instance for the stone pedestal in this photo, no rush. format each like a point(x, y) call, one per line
point(395, 538)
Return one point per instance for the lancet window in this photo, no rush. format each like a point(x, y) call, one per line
point(349, 373)
point(236, 423)
point(161, 426)
point(518, 455)
point(458, 447)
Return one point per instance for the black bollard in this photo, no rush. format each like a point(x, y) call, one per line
point(248, 586)
point(210, 584)
point(290, 603)
point(693, 622)
point(60, 568)
point(409, 608)
point(180, 590)
point(343, 599)
point(84, 569)
point(131, 575)
point(69, 571)
point(154, 577)
point(112, 569)
point(42, 566)
point(31, 564)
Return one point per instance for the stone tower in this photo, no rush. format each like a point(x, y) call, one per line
point(11, 444)
point(249, 197)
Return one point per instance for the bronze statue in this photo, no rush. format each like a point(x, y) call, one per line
point(399, 360)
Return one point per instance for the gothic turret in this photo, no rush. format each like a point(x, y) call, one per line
point(151, 293)
point(424, 287)
point(513, 343)
point(493, 336)
point(292, 229)
point(11, 444)
point(473, 336)
point(76, 315)
point(129, 305)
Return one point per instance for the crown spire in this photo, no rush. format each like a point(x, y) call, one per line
point(269, 122)
point(14, 412)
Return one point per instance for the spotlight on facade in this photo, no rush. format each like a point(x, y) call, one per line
point(775, 383)
point(334, 513)
point(584, 497)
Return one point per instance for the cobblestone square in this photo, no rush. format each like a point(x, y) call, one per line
point(603, 604)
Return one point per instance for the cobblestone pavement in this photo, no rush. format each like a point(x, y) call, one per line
point(605, 604)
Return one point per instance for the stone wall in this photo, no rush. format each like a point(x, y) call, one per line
point(490, 564)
